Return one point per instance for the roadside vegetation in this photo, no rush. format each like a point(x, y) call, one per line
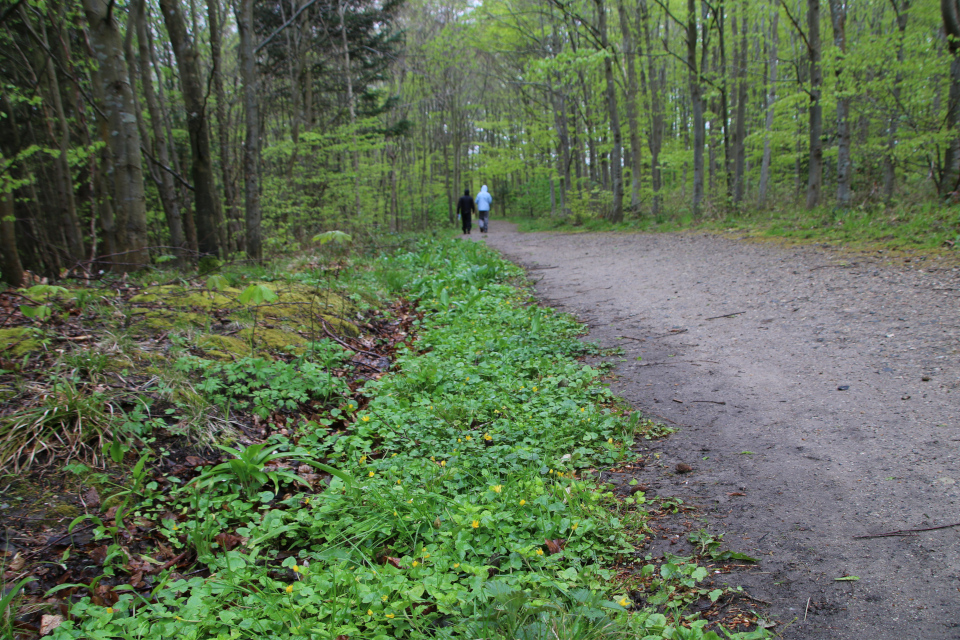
point(904, 230)
point(397, 447)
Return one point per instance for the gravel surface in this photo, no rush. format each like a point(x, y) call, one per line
point(830, 401)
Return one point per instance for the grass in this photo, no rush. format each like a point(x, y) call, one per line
point(900, 231)
point(458, 499)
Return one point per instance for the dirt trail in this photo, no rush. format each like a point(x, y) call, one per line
point(831, 401)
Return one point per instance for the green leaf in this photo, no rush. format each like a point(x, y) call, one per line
point(847, 579)
point(257, 294)
point(217, 282)
point(338, 237)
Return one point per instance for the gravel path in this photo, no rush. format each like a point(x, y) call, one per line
point(831, 401)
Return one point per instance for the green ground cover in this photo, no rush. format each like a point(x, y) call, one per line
point(919, 228)
point(454, 497)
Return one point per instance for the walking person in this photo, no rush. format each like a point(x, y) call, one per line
point(465, 207)
point(483, 208)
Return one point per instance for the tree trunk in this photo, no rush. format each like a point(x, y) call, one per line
point(251, 147)
point(207, 204)
point(124, 139)
point(636, 148)
point(740, 133)
point(234, 228)
point(616, 164)
point(889, 158)
point(815, 167)
point(771, 99)
point(838, 18)
point(348, 74)
point(696, 100)
point(656, 74)
point(161, 174)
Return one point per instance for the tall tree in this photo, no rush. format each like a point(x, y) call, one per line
point(251, 148)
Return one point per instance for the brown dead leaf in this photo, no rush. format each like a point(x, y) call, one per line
point(99, 555)
point(91, 498)
point(228, 541)
point(17, 563)
point(737, 493)
point(394, 561)
point(49, 623)
point(194, 461)
point(555, 546)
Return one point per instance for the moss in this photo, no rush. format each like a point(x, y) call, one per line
point(223, 347)
point(165, 319)
point(275, 339)
point(342, 327)
point(19, 342)
point(66, 510)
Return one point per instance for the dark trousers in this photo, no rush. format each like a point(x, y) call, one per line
point(467, 224)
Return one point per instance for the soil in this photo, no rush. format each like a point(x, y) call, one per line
point(816, 397)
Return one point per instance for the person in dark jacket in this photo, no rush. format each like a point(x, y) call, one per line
point(465, 207)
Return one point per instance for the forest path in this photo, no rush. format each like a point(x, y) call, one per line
point(818, 465)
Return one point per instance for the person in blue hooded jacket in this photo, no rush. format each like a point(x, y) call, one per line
point(483, 208)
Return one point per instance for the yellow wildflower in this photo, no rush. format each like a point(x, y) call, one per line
point(384, 598)
point(363, 459)
point(295, 568)
point(497, 488)
point(624, 602)
point(475, 524)
point(523, 502)
point(469, 438)
point(574, 526)
point(539, 552)
point(487, 437)
point(443, 463)
point(371, 474)
point(289, 588)
point(109, 609)
point(369, 612)
point(456, 565)
point(365, 418)
point(390, 615)
point(415, 563)
point(459, 440)
point(426, 555)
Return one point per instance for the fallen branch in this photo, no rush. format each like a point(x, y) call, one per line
point(535, 268)
point(345, 345)
point(630, 338)
point(906, 532)
point(729, 315)
point(710, 401)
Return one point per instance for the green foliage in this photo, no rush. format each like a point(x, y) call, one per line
point(454, 502)
point(264, 386)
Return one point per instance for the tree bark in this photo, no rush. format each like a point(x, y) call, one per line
point(206, 202)
point(838, 18)
point(771, 99)
point(160, 174)
point(815, 166)
point(234, 227)
point(616, 164)
point(348, 75)
point(124, 139)
point(740, 132)
point(251, 147)
point(696, 100)
point(950, 171)
point(889, 158)
point(630, 45)
point(657, 79)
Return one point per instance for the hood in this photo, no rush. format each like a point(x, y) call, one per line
point(483, 189)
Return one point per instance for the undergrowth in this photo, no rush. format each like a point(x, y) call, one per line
point(456, 500)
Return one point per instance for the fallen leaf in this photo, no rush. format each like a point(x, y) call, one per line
point(194, 461)
point(683, 467)
point(555, 546)
point(847, 579)
point(91, 498)
point(737, 493)
point(49, 623)
point(17, 563)
point(394, 561)
point(227, 541)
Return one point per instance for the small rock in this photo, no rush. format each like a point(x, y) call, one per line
point(683, 467)
point(843, 387)
point(925, 378)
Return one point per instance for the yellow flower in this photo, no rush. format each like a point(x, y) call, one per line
point(384, 598)
point(539, 552)
point(395, 513)
point(365, 418)
point(350, 406)
point(109, 609)
point(456, 565)
point(487, 436)
point(415, 563)
point(390, 615)
point(609, 440)
point(295, 568)
point(475, 524)
point(394, 456)
point(178, 618)
point(289, 588)
point(369, 612)
point(574, 526)
point(459, 440)
point(469, 438)
point(433, 458)
point(443, 463)
point(497, 488)
point(371, 474)
point(426, 555)
point(410, 500)
point(582, 409)
point(363, 459)
point(468, 377)
point(523, 502)
point(398, 482)
point(534, 388)
point(551, 470)
point(306, 501)
point(624, 602)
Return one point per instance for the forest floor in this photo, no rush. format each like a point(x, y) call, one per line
point(816, 397)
